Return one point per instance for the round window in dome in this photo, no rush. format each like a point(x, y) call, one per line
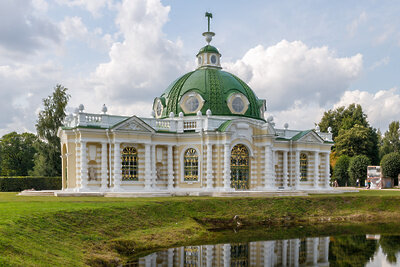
point(238, 103)
point(213, 59)
point(191, 102)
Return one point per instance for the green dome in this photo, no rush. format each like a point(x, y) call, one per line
point(208, 49)
point(215, 88)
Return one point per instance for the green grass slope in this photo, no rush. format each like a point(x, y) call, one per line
point(51, 231)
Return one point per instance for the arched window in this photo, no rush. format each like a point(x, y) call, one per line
point(191, 165)
point(303, 167)
point(130, 167)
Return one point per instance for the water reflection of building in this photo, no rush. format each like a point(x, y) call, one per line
point(293, 252)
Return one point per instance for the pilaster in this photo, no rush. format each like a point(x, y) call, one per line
point(316, 168)
point(209, 167)
point(227, 167)
point(297, 170)
point(117, 166)
point(147, 168)
point(327, 172)
point(170, 168)
point(84, 169)
point(104, 172)
point(285, 169)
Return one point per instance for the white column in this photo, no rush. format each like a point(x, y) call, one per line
point(316, 168)
point(117, 166)
point(315, 250)
point(296, 244)
point(297, 170)
point(104, 172)
point(269, 247)
point(84, 169)
point(269, 178)
point(227, 255)
point(227, 167)
point(327, 172)
point(284, 252)
point(153, 167)
point(209, 171)
point(285, 169)
point(170, 168)
point(147, 169)
point(326, 248)
point(209, 255)
point(170, 257)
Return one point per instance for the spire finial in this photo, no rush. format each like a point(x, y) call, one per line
point(208, 34)
point(209, 16)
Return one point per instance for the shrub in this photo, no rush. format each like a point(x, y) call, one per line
point(341, 170)
point(16, 184)
point(358, 168)
point(390, 165)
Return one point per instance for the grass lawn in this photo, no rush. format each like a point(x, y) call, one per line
point(78, 231)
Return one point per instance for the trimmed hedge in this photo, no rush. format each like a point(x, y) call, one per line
point(16, 184)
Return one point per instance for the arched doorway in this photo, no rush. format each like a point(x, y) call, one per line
point(240, 167)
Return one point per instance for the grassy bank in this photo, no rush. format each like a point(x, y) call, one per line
point(79, 231)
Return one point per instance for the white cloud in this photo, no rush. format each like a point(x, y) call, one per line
point(144, 63)
point(74, 28)
point(93, 6)
point(291, 71)
point(382, 62)
point(381, 107)
point(353, 26)
point(23, 31)
point(23, 88)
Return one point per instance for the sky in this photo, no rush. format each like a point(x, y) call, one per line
point(303, 57)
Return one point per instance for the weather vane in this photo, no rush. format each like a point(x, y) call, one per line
point(209, 16)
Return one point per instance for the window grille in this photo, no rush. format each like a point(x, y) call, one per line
point(130, 166)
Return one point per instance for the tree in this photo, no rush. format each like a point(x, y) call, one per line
point(48, 160)
point(358, 168)
point(390, 246)
point(17, 152)
point(391, 139)
point(341, 170)
point(390, 165)
point(358, 140)
point(343, 118)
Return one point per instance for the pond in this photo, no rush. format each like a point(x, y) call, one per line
point(341, 250)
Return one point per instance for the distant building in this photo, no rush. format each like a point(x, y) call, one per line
point(208, 134)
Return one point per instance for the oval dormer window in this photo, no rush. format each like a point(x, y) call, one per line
point(158, 108)
point(238, 103)
point(191, 102)
point(213, 59)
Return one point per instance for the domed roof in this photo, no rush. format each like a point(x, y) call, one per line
point(209, 88)
point(216, 88)
point(208, 49)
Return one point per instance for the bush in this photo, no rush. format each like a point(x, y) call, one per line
point(358, 169)
point(341, 170)
point(390, 165)
point(16, 184)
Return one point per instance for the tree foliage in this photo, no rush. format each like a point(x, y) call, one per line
point(390, 165)
point(358, 140)
point(358, 168)
point(17, 152)
point(351, 250)
point(391, 140)
point(48, 160)
point(340, 171)
point(390, 246)
point(343, 118)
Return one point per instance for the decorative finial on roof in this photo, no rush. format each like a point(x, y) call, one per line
point(209, 35)
point(209, 16)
